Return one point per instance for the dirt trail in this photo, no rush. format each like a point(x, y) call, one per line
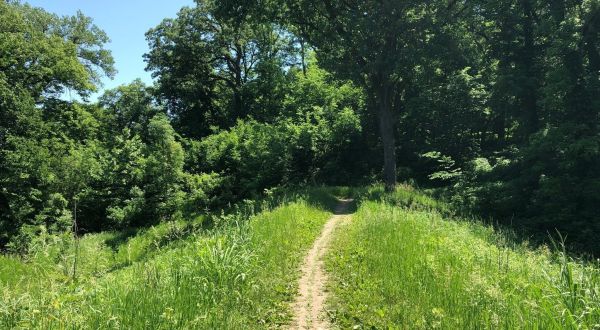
point(309, 307)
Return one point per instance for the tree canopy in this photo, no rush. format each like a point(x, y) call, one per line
point(493, 104)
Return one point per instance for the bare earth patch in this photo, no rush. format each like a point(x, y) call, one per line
point(309, 307)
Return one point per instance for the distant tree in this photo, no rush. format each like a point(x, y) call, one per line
point(164, 167)
point(131, 107)
point(377, 44)
point(212, 69)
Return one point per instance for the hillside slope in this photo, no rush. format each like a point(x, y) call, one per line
point(404, 262)
point(240, 274)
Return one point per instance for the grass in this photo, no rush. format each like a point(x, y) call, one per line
point(240, 274)
point(404, 262)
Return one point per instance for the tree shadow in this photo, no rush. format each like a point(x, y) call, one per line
point(121, 237)
point(345, 206)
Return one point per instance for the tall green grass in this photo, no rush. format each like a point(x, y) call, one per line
point(402, 264)
point(240, 274)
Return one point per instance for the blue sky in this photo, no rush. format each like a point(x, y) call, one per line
point(125, 22)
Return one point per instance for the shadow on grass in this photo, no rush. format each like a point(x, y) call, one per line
point(121, 237)
point(337, 200)
point(345, 206)
point(404, 196)
point(506, 234)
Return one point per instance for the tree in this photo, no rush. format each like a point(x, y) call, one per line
point(377, 44)
point(163, 169)
point(131, 107)
point(211, 68)
point(47, 149)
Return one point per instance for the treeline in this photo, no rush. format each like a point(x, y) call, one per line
point(228, 118)
point(494, 102)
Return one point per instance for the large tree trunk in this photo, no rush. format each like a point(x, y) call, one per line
point(4, 208)
point(238, 105)
point(386, 128)
point(527, 55)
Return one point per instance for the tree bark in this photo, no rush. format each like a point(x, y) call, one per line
point(529, 87)
point(303, 56)
point(386, 128)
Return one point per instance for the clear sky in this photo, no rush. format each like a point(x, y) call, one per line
point(125, 22)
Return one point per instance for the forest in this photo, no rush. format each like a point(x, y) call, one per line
point(464, 131)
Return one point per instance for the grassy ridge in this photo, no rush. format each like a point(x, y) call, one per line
point(402, 264)
point(241, 274)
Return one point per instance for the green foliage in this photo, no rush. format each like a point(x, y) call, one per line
point(325, 118)
point(549, 186)
point(145, 180)
point(444, 114)
point(129, 210)
point(495, 102)
point(120, 163)
point(316, 141)
point(132, 106)
point(59, 52)
point(447, 169)
point(132, 177)
point(253, 156)
point(48, 150)
point(214, 69)
point(164, 166)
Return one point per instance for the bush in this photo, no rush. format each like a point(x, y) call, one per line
point(250, 157)
point(549, 186)
point(253, 156)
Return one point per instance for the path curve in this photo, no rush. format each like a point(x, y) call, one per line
point(309, 307)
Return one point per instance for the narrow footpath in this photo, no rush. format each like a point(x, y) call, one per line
point(309, 307)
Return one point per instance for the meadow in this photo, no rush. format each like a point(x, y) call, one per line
point(405, 262)
point(238, 273)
